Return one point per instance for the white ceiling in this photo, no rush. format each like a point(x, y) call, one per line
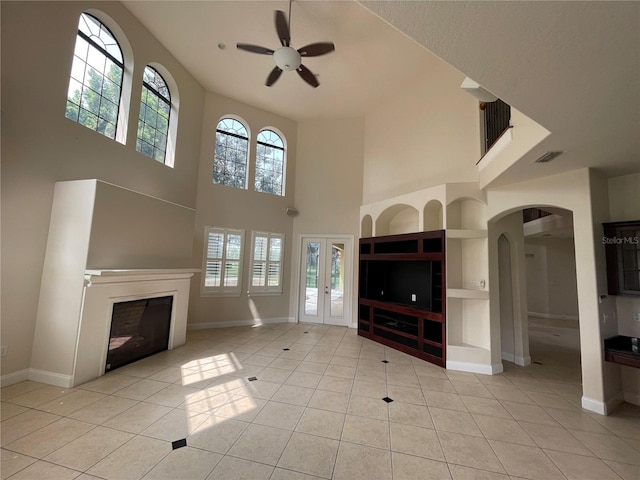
point(370, 58)
point(574, 67)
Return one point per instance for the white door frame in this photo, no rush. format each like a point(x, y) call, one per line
point(348, 241)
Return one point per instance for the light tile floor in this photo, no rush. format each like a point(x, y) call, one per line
point(316, 411)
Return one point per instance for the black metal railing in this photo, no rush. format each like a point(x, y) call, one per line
point(496, 120)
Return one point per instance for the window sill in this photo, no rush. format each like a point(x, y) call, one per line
point(219, 294)
point(263, 294)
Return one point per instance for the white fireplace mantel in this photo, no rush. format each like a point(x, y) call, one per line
point(135, 275)
point(101, 290)
point(104, 288)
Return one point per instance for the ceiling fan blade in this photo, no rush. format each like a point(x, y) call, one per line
point(308, 76)
point(282, 27)
point(273, 76)
point(316, 49)
point(254, 48)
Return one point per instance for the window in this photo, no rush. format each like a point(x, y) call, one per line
point(269, 163)
point(223, 261)
point(266, 262)
point(230, 158)
point(93, 97)
point(153, 120)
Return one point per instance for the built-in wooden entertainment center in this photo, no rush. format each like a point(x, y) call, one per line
point(402, 293)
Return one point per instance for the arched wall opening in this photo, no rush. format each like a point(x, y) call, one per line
point(583, 194)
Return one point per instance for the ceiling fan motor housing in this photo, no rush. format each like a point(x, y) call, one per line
point(287, 58)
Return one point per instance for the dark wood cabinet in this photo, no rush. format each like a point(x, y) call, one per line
point(622, 246)
point(401, 293)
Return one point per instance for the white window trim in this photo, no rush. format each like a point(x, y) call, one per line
point(266, 290)
point(221, 291)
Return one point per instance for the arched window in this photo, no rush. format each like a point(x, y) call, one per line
point(153, 120)
point(93, 98)
point(230, 157)
point(269, 163)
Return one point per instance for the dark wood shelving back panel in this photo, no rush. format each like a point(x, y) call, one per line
point(418, 331)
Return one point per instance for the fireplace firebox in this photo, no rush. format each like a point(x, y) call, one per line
point(139, 328)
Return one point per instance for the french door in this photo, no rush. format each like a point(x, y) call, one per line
point(325, 280)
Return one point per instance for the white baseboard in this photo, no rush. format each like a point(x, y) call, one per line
point(474, 367)
point(238, 323)
point(631, 397)
point(51, 378)
point(42, 376)
point(595, 406)
point(521, 361)
point(553, 316)
point(14, 377)
point(602, 408)
point(509, 357)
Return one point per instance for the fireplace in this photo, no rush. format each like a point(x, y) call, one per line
point(139, 328)
point(73, 343)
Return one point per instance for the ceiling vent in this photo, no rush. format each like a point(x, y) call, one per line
point(547, 157)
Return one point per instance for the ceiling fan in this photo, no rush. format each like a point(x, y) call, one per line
point(286, 57)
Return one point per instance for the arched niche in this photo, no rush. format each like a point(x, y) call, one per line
point(466, 213)
point(432, 216)
point(397, 219)
point(366, 227)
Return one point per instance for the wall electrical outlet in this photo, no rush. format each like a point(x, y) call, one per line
point(3, 350)
point(636, 316)
point(414, 297)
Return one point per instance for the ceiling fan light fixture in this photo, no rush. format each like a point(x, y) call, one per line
point(287, 58)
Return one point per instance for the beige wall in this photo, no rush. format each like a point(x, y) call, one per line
point(328, 185)
point(419, 137)
point(222, 206)
point(132, 230)
point(551, 277)
point(40, 146)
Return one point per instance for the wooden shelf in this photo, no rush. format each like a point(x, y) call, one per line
point(396, 267)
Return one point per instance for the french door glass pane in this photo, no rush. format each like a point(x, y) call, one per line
point(311, 279)
point(337, 279)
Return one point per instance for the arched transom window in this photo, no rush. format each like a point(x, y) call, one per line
point(93, 97)
point(269, 163)
point(230, 157)
point(153, 120)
